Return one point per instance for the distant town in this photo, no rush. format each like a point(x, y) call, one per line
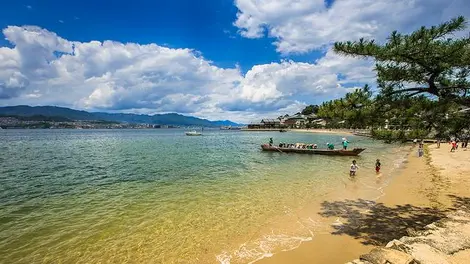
point(42, 122)
point(57, 122)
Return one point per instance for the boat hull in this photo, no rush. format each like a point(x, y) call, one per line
point(193, 134)
point(337, 152)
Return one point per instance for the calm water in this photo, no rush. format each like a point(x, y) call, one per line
point(158, 196)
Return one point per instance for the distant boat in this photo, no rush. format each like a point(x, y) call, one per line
point(283, 130)
point(335, 152)
point(230, 128)
point(193, 133)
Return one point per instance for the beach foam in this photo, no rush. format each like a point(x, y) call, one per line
point(252, 251)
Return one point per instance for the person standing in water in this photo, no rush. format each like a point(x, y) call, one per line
point(271, 141)
point(377, 166)
point(353, 169)
point(345, 143)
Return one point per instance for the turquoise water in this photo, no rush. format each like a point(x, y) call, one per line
point(158, 196)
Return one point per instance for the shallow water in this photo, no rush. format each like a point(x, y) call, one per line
point(158, 196)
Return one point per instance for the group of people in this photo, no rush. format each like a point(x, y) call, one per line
point(455, 144)
point(329, 146)
point(344, 143)
point(354, 167)
point(298, 145)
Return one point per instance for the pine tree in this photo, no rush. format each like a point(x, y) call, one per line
point(428, 61)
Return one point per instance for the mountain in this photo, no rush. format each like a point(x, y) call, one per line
point(161, 119)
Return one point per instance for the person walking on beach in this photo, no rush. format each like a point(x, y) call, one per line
point(345, 143)
point(454, 146)
point(377, 166)
point(438, 143)
point(353, 169)
point(421, 149)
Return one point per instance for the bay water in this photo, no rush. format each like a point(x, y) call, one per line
point(159, 196)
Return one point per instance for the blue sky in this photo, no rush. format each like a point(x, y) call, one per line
point(203, 25)
point(217, 59)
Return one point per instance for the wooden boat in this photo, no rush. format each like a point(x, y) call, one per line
point(336, 152)
point(193, 133)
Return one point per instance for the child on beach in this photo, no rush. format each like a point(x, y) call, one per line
point(454, 146)
point(377, 166)
point(421, 149)
point(353, 169)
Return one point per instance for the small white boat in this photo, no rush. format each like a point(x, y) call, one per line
point(193, 133)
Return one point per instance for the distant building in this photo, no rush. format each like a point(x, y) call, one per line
point(271, 123)
point(266, 124)
point(318, 122)
point(296, 121)
point(255, 126)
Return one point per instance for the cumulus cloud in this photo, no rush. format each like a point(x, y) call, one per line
point(303, 25)
point(42, 68)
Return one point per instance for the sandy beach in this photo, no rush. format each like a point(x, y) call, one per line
point(421, 192)
point(312, 130)
point(325, 131)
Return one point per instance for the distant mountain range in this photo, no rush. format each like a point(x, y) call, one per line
point(67, 113)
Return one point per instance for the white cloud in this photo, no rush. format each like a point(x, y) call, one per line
point(43, 68)
point(304, 25)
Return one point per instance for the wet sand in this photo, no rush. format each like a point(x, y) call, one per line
point(421, 192)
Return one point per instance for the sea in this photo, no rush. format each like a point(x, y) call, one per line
point(159, 196)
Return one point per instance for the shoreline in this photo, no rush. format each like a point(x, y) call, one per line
point(419, 194)
point(325, 131)
point(302, 130)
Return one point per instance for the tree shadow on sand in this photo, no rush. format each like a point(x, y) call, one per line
point(377, 224)
point(460, 203)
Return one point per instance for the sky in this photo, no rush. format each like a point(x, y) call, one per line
point(239, 60)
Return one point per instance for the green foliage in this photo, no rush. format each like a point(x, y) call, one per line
point(417, 133)
point(388, 135)
point(39, 118)
point(398, 135)
point(352, 111)
point(311, 109)
point(432, 60)
point(423, 78)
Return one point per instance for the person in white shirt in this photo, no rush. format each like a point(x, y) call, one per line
point(353, 169)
